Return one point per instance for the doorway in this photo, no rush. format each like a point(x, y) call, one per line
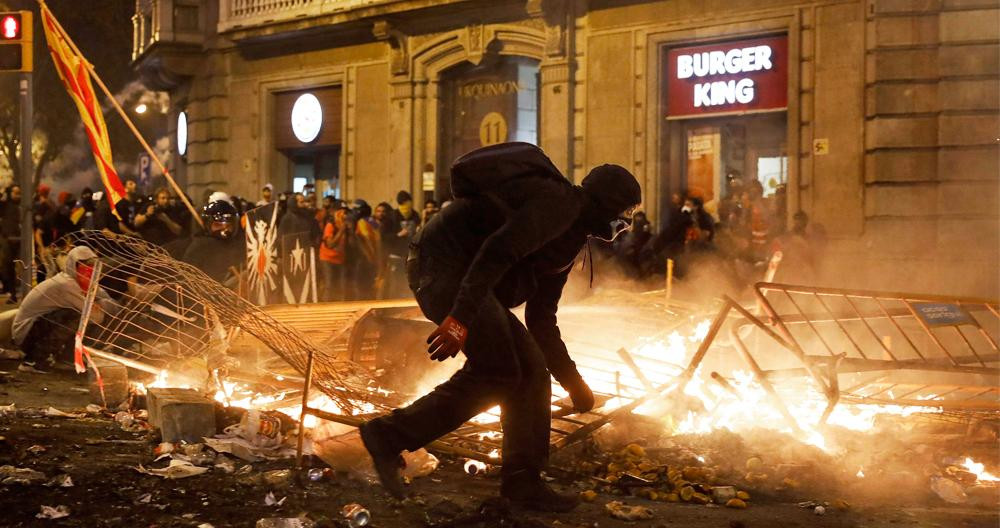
point(480, 105)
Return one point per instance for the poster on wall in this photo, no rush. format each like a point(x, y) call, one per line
point(703, 163)
point(732, 77)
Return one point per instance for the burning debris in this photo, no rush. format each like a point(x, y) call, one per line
point(677, 420)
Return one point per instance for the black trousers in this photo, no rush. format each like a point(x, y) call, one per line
point(9, 252)
point(503, 366)
point(53, 334)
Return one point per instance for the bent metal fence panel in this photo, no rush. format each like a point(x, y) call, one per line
point(900, 348)
point(883, 348)
point(169, 312)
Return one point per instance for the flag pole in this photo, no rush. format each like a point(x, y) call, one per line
point(124, 116)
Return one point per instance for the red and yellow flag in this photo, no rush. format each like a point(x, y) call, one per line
point(73, 72)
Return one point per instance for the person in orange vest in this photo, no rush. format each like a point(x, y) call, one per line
point(333, 253)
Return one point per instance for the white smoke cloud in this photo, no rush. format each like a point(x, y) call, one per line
point(74, 167)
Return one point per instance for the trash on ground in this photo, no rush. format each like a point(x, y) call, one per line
point(24, 476)
point(58, 512)
point(60, 481)
point(285, 522)
point(56, 413)
point(270, 500)
point(177, 469)
point(625, 512)
point(356, 515)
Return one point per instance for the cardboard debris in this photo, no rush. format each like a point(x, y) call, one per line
point(245, 450)
point(285, 522)
point(177, 469)
point(61, 481)
point(270, 500)
point(625, 512)
point(12, 475)
point(48, 512)
point(56, 413)
point(224, 464)
point(948, 490)
point(340, 446)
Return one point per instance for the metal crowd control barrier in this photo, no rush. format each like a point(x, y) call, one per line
point(870, 347)
point(480, 440)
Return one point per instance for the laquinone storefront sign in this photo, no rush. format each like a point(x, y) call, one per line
point(728, 77)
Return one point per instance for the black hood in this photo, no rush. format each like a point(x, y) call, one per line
point(610, 190)
point(613, 187)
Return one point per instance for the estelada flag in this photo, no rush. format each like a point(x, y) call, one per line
point(76, 214)
point(73, 72)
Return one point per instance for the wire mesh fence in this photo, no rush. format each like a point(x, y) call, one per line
point(168, 313)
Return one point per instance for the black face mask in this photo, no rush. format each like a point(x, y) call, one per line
point(608, 225)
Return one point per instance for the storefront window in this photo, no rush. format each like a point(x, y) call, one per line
point(772, 173)
point(726, 132)
point(724, 155)
point(320, 168)
point(307, 131)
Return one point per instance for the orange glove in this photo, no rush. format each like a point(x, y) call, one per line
point(447, 340)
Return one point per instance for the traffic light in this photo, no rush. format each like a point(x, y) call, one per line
point(15, 41)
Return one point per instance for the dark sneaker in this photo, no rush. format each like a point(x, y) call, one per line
point(388, 461)
point(530, 492)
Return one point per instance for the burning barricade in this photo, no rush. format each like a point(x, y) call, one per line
point(723, 412)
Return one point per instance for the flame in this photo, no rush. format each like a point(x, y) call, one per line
point(979, 470)
point(162, 381)
point(860, 473)
point(743, 405)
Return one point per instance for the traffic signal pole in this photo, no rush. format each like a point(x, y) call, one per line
point(27, 185)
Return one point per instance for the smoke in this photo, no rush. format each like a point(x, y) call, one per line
point(74, 168)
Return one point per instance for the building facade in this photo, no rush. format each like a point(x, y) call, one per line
point(878, 118)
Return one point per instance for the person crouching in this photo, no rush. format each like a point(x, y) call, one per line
point(47, 319)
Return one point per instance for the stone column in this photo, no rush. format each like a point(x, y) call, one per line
point(555, 113)
point(556, 86)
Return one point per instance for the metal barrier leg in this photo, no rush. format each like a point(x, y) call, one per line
point(706, 343)
point(762, 379)
point(305, 410)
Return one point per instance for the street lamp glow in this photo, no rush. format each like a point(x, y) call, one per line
point(141, 108)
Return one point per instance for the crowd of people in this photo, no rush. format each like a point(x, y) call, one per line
point(741, 234)
point(361, 250)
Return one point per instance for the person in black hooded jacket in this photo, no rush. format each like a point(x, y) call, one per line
point(475, 260)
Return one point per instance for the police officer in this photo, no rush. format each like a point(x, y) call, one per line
point(219, 248)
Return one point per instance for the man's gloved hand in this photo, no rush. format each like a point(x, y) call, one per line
point(579, 392)
point(447, 340)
